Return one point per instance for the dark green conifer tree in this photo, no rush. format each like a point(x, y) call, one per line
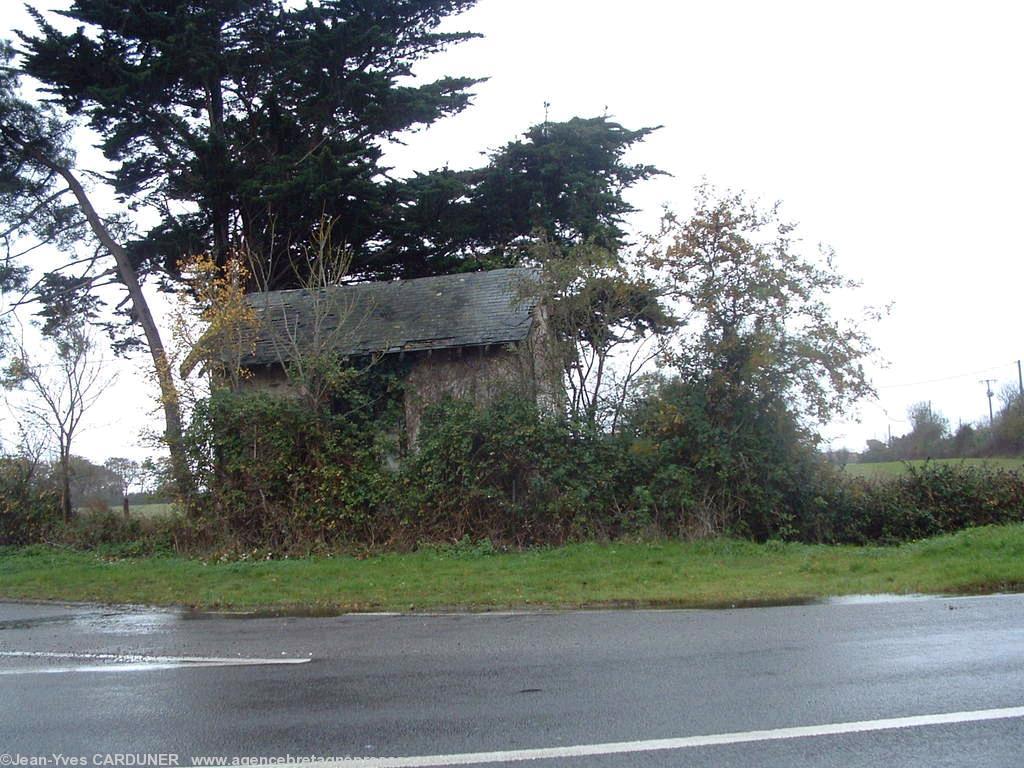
point(243, 122)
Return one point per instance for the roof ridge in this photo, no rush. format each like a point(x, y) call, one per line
point(534, 271)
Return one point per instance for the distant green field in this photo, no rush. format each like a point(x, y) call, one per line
point(143, 511)
point(146, 511)
point(893, 468)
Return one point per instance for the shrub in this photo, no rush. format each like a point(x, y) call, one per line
point(277, 476)
point(109, 533)
point(716, 462)
point(926, 500)
point(93, 528)
point(508, 474)
point(28, 510)
point(276, 473)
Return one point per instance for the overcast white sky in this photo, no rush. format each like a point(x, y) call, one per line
point(890, 130)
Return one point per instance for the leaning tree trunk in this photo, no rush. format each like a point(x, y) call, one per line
point(173, 431)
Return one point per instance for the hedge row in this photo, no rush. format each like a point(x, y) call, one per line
point(278, 477)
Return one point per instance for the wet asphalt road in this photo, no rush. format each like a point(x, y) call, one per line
point(83, 681)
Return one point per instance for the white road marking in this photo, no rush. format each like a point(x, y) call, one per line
point(686, 742)
point(130, 667)
point(130, 662)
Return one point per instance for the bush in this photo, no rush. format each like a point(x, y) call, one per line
point(95, 528)
point(510, 475)
point(926, 500)
point(276, 473)
point(109, 533)
point(278, 477)
point(29, 512)
point(716, 462)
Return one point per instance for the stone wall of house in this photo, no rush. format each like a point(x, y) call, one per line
point(479, 374)
point(268, 378)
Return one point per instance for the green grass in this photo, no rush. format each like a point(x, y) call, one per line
point(658, 574)
point(886, 469)
point(147, 511)
point(140, 511)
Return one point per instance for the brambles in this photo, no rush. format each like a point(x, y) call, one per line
point(29, 510)
point(283, 478)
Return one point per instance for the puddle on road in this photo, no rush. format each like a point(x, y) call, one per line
point(133, 620)
point(127, 662)
point(882, 599)
point(313, 612)
point(140, 667)
point(650, 605)
point(106, 621)
point(31, 623)
point(129, 623)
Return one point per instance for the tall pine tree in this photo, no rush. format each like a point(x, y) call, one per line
point(562, 182)
point(243, 122)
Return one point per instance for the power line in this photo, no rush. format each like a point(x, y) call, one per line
point(952, 377)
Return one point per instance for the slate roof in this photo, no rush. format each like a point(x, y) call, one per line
point(466, 310)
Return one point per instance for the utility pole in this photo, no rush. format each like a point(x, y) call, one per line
point(1020, 389)
point(988, 392)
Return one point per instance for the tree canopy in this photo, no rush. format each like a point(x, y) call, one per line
point(757, 312)
point(29, 202)
point(244, 123)
point(562, 183)
point(248, 120)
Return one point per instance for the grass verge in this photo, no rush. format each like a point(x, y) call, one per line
point(719, 572)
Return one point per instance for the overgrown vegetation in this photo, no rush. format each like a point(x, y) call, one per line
point(697, 364)
point(274, 473)
point(29, 510)
point(924, 501)
point(511, 475)
point(719, 442)
point(280, 479)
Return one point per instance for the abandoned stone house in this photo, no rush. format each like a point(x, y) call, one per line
point(474, 335)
